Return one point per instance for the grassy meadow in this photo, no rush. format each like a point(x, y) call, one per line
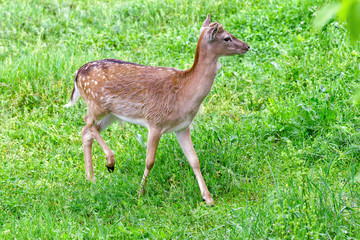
point(278, 137)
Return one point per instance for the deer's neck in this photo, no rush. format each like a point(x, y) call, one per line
point(200, 77)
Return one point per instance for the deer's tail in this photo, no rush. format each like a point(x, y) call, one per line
point(74, 95)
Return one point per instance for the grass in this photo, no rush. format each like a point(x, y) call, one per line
point(278, 136)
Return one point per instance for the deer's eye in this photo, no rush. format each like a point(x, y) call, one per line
point(227, 39)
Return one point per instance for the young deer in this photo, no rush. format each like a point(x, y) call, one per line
point(161, 99)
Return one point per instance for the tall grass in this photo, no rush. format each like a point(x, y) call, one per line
point(278, 136)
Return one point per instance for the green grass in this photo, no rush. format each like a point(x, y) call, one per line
point(282, 117)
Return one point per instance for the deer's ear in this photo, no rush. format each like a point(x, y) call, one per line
point(211, 33)
point(205, 23)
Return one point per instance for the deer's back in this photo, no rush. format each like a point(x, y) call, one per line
point(131, 91)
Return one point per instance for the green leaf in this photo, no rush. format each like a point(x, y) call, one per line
point(326, 14)
point(350, 13)
point(353, 21)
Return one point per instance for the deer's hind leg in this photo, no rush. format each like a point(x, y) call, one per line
point(91, 131)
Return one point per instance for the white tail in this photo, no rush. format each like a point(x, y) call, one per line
point(161, 99)
point(74, 95)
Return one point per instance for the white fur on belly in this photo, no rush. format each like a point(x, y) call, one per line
point(141, 122)
point(180, 126)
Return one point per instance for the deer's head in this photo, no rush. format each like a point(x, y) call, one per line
point(221, 42)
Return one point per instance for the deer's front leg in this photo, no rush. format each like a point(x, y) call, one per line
point(152, 144)
point(184, 138)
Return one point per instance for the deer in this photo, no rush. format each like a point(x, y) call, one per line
point(162, 99)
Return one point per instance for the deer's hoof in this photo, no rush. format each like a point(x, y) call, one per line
point(110, 169)
point(209, 202)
